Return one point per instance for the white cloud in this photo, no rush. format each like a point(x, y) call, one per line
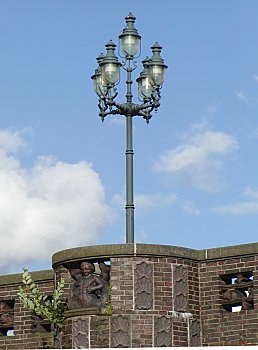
point(118, 200)
point(147, 202)
point(53, 206)
point(154, 201)
point(252, 193)
point(199, 127)
point(245, 207)
point(12, 141)
point(190, 208)
point(239, 208)
point(200, 159)
point(241, 96)
point(256, 78)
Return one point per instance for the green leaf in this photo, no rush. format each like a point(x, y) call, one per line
point(26, 273)
point(31, 304)
point(31, 297)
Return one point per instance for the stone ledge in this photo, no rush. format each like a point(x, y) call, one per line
point(37, 276)
point(74, 255)
point(85, 312)
point(92, 252)
point(167, 251)
point(231, 251)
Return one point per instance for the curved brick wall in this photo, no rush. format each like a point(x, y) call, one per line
point(161, 296)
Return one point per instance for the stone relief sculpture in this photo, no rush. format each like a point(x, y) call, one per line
point(241, 279)
point(233, 295)
point(80, 336)
point(120, 332)
point(6, 317)
point(89, 289)
point(195, 339)
point(180, 288)
point(240, 293)
point(163, 332)
point(143, 286)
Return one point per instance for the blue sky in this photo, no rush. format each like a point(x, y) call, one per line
point(62, 171)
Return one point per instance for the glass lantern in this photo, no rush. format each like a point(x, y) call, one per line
point(99, 87)
point(129, 38)
point(156, 67)
point(110, 73)
point(144, 85)
point(110, 67)
point(156, 74)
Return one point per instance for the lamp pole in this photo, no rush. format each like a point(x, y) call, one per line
point(129, 207)
point(150, 81)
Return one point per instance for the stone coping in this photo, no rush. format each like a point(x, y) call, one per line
point(107, 251)
point(87, 311)
point(37, 276)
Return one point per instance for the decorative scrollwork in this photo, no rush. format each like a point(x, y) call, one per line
point(195, 333)
point(163, 332)
point(144, 270)
point(128, 61)
point(108, 106)
point(180, 288)
point(144, 286)
point(120, 332)
point(80, 334)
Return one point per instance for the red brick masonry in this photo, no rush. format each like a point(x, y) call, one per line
point(161, 296)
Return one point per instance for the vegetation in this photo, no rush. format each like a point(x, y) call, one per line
point(50, 308)
point(109, 308)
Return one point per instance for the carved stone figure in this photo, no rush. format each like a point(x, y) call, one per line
point(6, 319)
point(246, 305)
point(89, 289)
point(242, 279)
point(105, 271)
point(4, 307)
point(6, 315)
point(105, 276)
point(235, 295)
point(250, 292)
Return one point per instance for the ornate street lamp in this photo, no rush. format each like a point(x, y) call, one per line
point(150, 81)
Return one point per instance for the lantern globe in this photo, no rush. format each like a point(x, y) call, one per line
point(129, 39)
point(110, 66)
point(156, 67)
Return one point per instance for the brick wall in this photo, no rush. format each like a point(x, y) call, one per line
point(161, 296)
point(219, 326)
point(144, 321)
point(121, 280)
point(28, 334)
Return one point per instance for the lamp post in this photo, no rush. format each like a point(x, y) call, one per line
point(150, 81)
